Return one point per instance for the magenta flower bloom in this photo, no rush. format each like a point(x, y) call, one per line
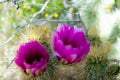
point(33, 58)
point(70, 44)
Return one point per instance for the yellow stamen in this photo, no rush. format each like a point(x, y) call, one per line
point(56, 15)
point(108, 8)
point(46, 15)
point(46, 29)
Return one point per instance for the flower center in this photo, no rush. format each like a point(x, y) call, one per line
point(73, 45)
point(32, 59)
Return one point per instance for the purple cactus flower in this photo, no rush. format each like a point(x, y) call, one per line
point(70, 44)
point(32, 58)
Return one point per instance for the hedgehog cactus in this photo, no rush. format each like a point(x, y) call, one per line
point(96, 68)
point(97, 60)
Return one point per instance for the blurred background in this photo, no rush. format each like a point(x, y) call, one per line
point(15, 15)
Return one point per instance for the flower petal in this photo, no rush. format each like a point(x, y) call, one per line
point(32, 57)
point(84, 52)
point(70, 44)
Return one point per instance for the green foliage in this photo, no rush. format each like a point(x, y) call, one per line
point(91, 12)
point(91, 16)
point(113, 69)
point(115, 33)
point(96, 68)
point(100, 68)
point(29, 8)
point(95, 40)
point(117, 3)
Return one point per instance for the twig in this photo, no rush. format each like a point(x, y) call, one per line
point(13, 35)
point(64, 10)
point(36, 20)
point(42, 9)
point(1, 2)
point(53, 20)
point(8, 65)
point(44, 22)
point(13, 1)
point(86, 31)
